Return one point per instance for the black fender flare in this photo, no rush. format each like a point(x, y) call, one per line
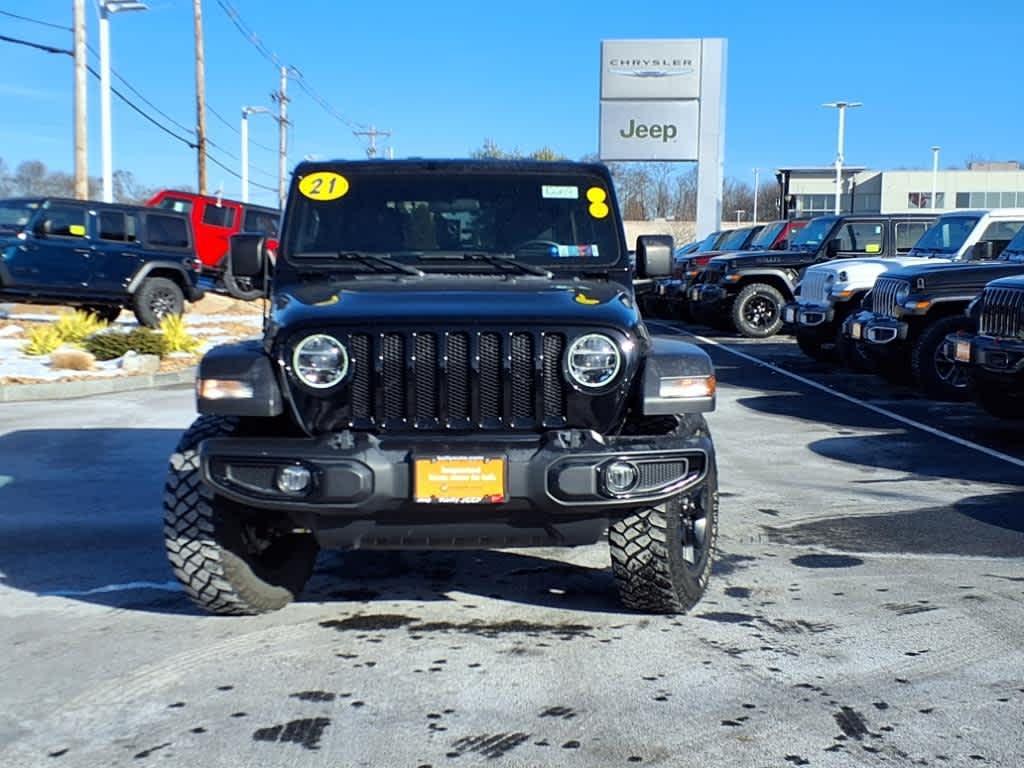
point(188, 287)
point(673, 358)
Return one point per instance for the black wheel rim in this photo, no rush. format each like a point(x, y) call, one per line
point(163, 303)
point(951, 373)
point(694, 528)
point(760, 312)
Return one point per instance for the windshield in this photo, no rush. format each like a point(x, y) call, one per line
point(16, 214)
point(736, 240)
point(559, 221)
point(946, 236)
point(1014, 251)
point(814, 234)
point(766, 237)
point(708, 243)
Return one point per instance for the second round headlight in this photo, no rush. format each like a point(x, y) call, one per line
point(593, 360)
point(320, 361)
point(902, 293)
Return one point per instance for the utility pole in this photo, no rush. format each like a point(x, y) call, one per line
point(842, 107)
point(373, 133)
point(81, 124)
point(197, 12)
point(281, 97)
point(757, 184)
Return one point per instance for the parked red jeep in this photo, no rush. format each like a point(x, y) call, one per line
point(214, 221)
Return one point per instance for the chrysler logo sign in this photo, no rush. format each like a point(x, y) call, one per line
point(654, 68)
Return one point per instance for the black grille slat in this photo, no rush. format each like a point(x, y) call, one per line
point(425, 373)
point(490, 377)
point(554, 387)
point(458, 376)
point(362, 368)
point(393, 376)
point(522, 376)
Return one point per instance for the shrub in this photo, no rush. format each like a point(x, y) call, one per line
point(113, 344)
point(42, 340)
point(75, 327)
point(176, 335)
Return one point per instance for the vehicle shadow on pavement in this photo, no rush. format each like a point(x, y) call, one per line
point(917, 454)
point(977, 526)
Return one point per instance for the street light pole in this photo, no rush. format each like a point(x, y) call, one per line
point(935, 175)
point(106, 8)
point(246, 111)
point(739, 215)
point(757, 179)
point(842, 107)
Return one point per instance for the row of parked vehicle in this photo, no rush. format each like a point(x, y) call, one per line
point(103, 257)
point(936, 300)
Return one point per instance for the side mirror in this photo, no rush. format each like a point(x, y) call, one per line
point(982, 251)
point(832, 248)
point(43, 228)
point(248, 255)
point(654, 256)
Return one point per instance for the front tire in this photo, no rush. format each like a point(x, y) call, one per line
point(106, 313)
point(757, 311)
point(662, 555)
point(225, 564)
point(938, 377)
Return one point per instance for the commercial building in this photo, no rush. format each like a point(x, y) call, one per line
point(811, 191)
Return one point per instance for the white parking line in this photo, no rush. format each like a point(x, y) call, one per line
point(165, 586)
point(848, 398)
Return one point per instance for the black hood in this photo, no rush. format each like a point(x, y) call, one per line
point(756, 259)
point(455, 300)
point(968, 277)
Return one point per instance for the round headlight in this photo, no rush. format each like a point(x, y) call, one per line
point(593, 360)
point(320, 361)
point(830, 278)
point(902, 293)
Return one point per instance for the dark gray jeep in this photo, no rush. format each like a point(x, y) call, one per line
point(453, 358)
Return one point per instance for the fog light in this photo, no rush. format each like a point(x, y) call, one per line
point(621, 477)
point(293, 479)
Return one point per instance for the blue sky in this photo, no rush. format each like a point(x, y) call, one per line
point(446, 75)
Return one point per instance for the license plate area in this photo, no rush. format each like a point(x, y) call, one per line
point(459, 479)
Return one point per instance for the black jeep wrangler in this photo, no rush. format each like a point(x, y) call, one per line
point(97, 256)
point(453, 358)
point(910, 311)
point(746, 292)
point(995, 356)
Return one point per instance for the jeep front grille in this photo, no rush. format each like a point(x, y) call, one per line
point(456, 380)
point(883, 295)
point(709, 275)
point(813, 288)
point(1002, 313)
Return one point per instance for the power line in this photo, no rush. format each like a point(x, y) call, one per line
point(234, 128)
point(34, 21)
point(149, 118)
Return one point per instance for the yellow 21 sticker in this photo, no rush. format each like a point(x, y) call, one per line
point(324, 185)
point(598, 207)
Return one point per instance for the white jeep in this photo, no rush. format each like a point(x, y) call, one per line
point(831, 291)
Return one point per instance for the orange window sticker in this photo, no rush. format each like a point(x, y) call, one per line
point(323, 186)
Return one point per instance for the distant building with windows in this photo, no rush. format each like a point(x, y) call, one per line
point(811, 191)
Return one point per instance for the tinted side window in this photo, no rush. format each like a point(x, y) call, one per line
point(166, 231)
point(175, 204)
point(908, 233)
point(1000, 233)
point(65, 221)
point(118, 226)
point(258, 221)
point(219, 216)
point(862, 236)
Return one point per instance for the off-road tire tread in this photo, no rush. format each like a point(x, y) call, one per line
point(737, 310)
point(214, 578)
point(140, 301)
point(920, 363)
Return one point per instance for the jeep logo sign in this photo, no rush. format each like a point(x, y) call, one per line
point(649, 130)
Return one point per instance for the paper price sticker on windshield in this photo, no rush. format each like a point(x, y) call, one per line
point(554, 192)
point(324, 185)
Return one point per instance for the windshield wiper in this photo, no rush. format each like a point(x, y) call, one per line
point(378, 260)
point(494, 259)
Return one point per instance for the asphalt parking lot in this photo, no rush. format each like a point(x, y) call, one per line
point(866, 610)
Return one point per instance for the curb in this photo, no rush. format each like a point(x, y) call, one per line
point(67, 390)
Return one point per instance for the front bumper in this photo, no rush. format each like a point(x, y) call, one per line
point(709, 297)
point(989, 358)
point(558, 475)
point(808, 315)
point(876, 330)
